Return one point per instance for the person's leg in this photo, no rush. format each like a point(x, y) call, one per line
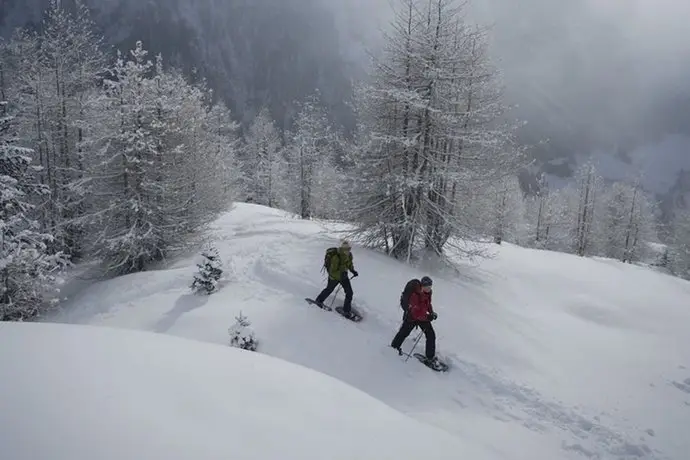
point(405, 328)
point(327, 290)
point(430, 335)
point(347, 287)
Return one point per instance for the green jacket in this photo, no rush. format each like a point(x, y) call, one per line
point(340, 263)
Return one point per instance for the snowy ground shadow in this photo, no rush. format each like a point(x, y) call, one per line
point(682, 386)
point(184, 304)
point(277, 281)
point(527, 406)
point(259, 232)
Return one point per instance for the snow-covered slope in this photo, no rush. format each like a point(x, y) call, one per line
point(553, 356)
point(81, 393)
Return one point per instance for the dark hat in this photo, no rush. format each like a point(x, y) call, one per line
point(426, 281)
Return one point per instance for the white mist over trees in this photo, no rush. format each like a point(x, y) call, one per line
point(116, 157)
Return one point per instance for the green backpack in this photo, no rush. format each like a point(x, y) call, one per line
point(330, 253)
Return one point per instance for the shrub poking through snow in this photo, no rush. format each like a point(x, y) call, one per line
point(206, 280)
point(242, 335)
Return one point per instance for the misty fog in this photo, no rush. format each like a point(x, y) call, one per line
point(587, 74)
point(624, 56)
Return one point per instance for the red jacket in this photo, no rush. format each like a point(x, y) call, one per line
point(420, 305)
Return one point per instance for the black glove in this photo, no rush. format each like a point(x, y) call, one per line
point(354, 273)
point(432, 316)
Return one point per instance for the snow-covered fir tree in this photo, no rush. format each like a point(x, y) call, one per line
point(543, 215)
point(265, 164)
point(159, 170)
point(135, 160)
point(224, 144)
point(505, 211)
point(26, 266)
point(56, 71)
point(589, 185)
point(330, 188)
point(210, 272)
point(310, 152)
point(628, 222)
point(242, 335)
point(432, 111)
point(129, 169)
point(192, 169)
point(679, 242)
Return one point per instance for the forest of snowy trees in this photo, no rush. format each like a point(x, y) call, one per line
point(114, 156)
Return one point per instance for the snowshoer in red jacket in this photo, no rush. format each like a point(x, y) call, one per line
point(416, 303)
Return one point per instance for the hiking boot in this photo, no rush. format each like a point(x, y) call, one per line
point(349, 314)
point(434, 363)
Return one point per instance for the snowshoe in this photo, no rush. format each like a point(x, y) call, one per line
point(433, 364)
point(318, 304)
point(352, 316)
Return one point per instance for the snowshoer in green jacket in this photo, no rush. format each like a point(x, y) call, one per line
point(340, 264)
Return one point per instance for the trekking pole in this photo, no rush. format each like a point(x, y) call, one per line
point(334, 296)
point(415, 345)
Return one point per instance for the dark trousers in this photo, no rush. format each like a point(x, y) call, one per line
point(408, 326)
point(344, 281)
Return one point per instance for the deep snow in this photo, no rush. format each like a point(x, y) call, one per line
point(80, 393)
point(552, 356)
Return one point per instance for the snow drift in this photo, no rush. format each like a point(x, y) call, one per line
point(83, 393)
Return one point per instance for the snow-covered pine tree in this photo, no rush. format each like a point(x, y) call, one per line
point(242, 335)
point(310, 152)
point(561, 211)
point(589, 185)
point(73, 54)
point(432, 110)
point(539, 212)
point(26, 267)
point(57, 70)
point(628, 222)
point(190, 172)
point(160, 168)
point(505, 211)
point(223, 144)
point(679, 242)
point(371, 204)
point(129, 170)
point(210, 272)
point(329, 190)
point(265, 164)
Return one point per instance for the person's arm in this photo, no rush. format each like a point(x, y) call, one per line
point(351, 264)
point(432, 313)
